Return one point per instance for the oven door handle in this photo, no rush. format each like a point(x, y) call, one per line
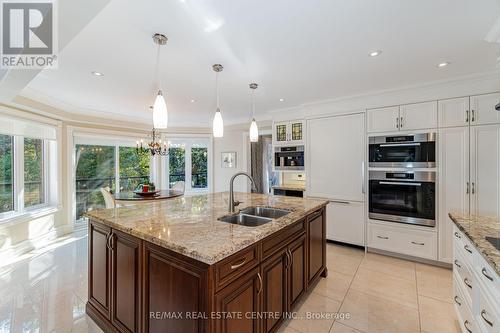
point(400, 183)
point(400, 144)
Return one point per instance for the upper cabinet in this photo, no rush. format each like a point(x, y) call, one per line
point(482, 108)
point(454, 112)
point(403, 118)
point(289, 132)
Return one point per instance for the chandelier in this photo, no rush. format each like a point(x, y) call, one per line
point(155, 147)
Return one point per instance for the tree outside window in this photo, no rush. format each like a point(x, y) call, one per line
point(6, 179)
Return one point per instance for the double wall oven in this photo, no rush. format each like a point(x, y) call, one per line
point(402, 179)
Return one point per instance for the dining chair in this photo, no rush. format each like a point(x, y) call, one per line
point(109, 200)
point(179, 186)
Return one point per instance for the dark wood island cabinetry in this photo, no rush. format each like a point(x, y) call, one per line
point(138, 286)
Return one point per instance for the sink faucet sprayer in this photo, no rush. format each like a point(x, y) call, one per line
point(233, 203)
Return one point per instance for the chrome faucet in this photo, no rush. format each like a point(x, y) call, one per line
point(233, 203)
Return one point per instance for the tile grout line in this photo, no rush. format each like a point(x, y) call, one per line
point(418, 300)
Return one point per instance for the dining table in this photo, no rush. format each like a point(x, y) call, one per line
point(160, 195)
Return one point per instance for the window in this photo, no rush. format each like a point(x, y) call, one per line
point(34, 192)
point(188, 161)
point(6, 174)
point(134, 168)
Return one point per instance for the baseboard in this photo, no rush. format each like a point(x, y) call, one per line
point(411, 258)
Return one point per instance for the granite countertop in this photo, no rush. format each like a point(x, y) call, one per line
point(293, 187)
point(189, 225)
point(476, 228)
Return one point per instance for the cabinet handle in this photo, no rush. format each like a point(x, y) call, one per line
point(363, 177)
point(483, 315)
point(466, 324)
point(112, 241)
point(473, 188)
point(457, 235)
point(383, 237)
point(401, 123)
point(239, 264)
point(416, 243)
point(291, 257)
point(473, 118)
point(485, 273)
point(457, 263)
point(466, 116)
point(260, 283)
point(108, 240)
point(340, 202)
point(456, 298)
point(466, 247)
point(397, 122)
point(467, 190)
point(467, 283)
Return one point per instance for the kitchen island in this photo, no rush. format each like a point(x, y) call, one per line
point(173, 266)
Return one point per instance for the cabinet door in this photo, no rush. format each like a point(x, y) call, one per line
point(125, 281)
point(99, 268)
point(274, 292)
point(297, 271)
point(483, 109)
point(316, 244)
point(345, 222)
point(243, 296)
point(453, 112)
point(296, 131)
point(280, 132)
point(336, 152)
point(453, 184)
point(418, 116)
point(485, 170)
point(383, 120)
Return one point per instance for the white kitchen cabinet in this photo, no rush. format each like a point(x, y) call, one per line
point(483, 109)
point(345, 222)
point(418, 116)
point(383, 119)
point(336, 152)
point(453, 184)
point(485, 170)
point(453, 112)
point(289, 132)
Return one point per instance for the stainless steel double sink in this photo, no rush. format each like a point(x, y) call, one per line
point(255, 216)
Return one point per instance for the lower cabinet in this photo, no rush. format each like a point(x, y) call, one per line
point(297, 271)
point(99, 269)
point(316, 231)
point(274, 293)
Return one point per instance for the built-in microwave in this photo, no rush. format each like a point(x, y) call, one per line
point(403, 196)
point(289, 158)
point(403, 151)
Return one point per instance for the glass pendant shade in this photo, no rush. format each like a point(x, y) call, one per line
point(218, 125)
point(254, 132)
point(160, 113)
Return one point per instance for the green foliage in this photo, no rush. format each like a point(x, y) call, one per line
point(6, 202)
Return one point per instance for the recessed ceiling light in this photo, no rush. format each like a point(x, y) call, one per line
point(375, 53)
point(192, 101)
point(282, 99)
point(97, 73)
point(443, 64)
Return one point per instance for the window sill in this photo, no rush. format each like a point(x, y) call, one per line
point(28, 215)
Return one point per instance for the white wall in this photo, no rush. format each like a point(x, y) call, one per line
point(233, 140)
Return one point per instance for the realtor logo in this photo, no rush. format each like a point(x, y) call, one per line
point(29, 34)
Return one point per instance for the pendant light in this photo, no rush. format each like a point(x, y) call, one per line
point(160, 112)
point(218, 123)
point(254, 130)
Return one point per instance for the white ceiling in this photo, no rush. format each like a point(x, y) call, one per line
point(302, 51)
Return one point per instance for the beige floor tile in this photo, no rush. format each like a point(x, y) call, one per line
point(386, 286)
point(435, 282)
point(335, 286)
point(344, 250)
point(342, 263)
point(315, 305)
point(437, 316)
point(397, 267)
point(285, 328)
point(373, 314)
point(341, 328)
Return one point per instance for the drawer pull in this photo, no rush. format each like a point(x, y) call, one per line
point(260, 283)
point(467, 283)
point(485, 273)
point(457, 263)
point(417, 243)
point(239, 264)
point(466, 247)
point(383, 237)
point(456, 301)
point(466, 325)
point(483, 315)
point(457, 235)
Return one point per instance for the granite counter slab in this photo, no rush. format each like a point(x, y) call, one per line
point(290, 187)
point(189, 225)
point(476, 228)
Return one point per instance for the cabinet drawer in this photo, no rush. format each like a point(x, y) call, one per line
point(235, 265)
point(404, 240)
point(488, 277)
point(465, 317)
point(464, 248)
point(274, 243)
point(488, 316)
point(464, 278)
